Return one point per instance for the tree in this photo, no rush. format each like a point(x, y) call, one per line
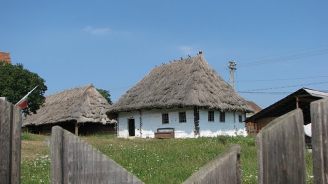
point(105, 94)
point(16, 82)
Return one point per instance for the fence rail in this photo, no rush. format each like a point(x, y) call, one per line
point(10, 143)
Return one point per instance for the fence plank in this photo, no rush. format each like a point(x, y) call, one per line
point(319, 119)
point(5, 120)
point(75, 161)
point(16, 145)
point(10, 143)
point(56, 147)
point(281, 150)
point(224, 169)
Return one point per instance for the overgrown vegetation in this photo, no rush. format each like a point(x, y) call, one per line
point(151, 160)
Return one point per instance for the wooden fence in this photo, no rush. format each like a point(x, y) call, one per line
point(10, 143)
point(319, 118)
point(281, 149)
point(75, 161)
point(225, 169)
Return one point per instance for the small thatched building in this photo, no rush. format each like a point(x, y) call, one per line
point(186, 95)
point(81, 110)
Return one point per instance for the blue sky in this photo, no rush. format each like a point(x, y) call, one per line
point(277, 44)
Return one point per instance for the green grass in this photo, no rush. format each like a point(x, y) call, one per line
point(151, 160)
point(170, 161)
point(36, 171)
point(35, 164)
point(32, 137)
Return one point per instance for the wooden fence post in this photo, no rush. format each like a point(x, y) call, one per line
point(56, 147)
point(75, 161)
point(10, 143)
point(281, 150)
point(225, 169)
point(319, 119)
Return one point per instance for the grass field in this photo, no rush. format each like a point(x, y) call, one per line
point(151, 160)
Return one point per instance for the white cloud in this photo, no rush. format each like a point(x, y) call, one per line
point(97, 30)
point(187, 50)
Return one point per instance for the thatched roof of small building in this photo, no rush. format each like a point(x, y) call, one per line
point(83, 104)
point(253, 106)
point(188, 82)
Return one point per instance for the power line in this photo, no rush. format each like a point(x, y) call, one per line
point(287, 86)
point(286, 58)
point(282, 79)
point(265, 92)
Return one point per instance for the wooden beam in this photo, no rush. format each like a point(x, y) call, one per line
point(76, 129)
point(140, 122)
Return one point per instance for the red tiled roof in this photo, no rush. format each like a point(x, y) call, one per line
point(5, 56)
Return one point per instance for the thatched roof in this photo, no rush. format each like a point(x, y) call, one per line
point(184, 83)
point(83, 104)
point(253, 106)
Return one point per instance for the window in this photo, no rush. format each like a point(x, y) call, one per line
point(222, 116)
point(182, 117)
point(211, 116)
point(165, 118)
point(240, 117)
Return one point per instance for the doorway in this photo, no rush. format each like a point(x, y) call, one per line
point(131, 127)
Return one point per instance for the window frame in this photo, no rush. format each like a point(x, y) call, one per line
point(222, 116)
point(210, 116)
point(183, 117)
point(240, 118)
point(165, 118)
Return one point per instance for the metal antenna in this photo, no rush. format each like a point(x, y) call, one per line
point(232, 67)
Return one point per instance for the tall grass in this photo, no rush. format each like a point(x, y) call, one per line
point(151, 160)
point(173, 161)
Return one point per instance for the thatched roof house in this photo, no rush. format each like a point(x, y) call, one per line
point(71, 109)
point(183, 86)
point(182, 83)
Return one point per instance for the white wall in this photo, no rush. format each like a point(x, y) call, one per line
point(152, 119)
point(230, 127)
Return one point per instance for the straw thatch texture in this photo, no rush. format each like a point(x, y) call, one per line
point(185, 83)
point(253, 106)
point(83, 104)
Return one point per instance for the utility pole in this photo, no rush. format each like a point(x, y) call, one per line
point(232, 67)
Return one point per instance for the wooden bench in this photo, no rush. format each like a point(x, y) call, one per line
point(164, 133)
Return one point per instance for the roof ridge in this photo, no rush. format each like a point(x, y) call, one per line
point(71, 89)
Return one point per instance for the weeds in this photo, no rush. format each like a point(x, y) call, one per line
point(151, 160)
